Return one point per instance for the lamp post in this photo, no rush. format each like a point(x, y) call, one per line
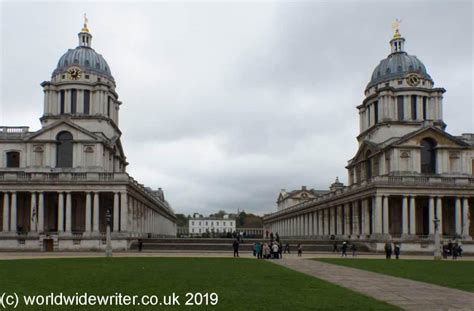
point(437, 240)
point(108, 219)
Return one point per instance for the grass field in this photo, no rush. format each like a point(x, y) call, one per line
point(455, 274)
point(241, 284)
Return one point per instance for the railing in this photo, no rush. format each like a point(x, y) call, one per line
point(14, 129)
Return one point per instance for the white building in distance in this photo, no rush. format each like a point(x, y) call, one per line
point(58, 184)
point(210, 225)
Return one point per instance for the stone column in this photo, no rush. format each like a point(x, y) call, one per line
point(439, 213)
point(95, 221)
point(124, 211)
point(431, 214)
point(6, 211)
point(412, 215)
point(377, 212)
point(60, 212)
point(355, 218)
point(321, 222)
point(33, 213)
point(88, 212)
point(405, 215)
point(339, 219)
point(310, 220)
point(347, 221)
point(466, 220)
point(385, 208)
point(68, 212)
point(366, 212)
point(40, 212)
point(116, 212)
point(458, 217)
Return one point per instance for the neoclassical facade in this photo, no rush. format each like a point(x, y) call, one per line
point(58, 184)
point(407, 171)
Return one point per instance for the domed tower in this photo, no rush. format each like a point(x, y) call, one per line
point(82, 90)
point(400, 97)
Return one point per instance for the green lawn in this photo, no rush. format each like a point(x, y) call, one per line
point(241, 284)
point(455, 274)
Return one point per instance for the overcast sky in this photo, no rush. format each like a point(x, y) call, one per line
point(224, 104)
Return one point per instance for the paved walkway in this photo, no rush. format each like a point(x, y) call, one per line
point(407, 294)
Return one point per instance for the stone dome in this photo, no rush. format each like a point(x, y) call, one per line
point(87, 59)
point(398, 65)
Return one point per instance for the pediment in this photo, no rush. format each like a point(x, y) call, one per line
point(50, 132)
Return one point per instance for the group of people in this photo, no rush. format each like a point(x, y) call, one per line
point(452, 249)
point(389, 250)
point(344, 247)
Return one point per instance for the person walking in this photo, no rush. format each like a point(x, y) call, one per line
point(300, 250)
point(334, 247)
point(275, 250)
point(140, 245)
point(353, 249)
point(344, 249)
point(397, 250)
point(266, 251)
point(258, 250)
point(287, 248)
point(388, 250)
point(235, 245)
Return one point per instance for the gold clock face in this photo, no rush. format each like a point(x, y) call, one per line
point(74, 73)
point(413, 80)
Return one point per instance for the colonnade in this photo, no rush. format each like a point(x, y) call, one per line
point(128, 213)
point(374, 217)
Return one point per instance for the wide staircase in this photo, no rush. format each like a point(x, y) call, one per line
point(225, 245)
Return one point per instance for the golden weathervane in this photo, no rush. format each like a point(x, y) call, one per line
point(85, 29)
point(396, 28)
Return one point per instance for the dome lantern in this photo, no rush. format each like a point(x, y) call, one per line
point(85, 37)
point(398, 42)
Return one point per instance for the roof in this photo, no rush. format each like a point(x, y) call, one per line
point(397, 65)
point(85, 58)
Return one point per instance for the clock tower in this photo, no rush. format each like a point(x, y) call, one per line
point(82, 90)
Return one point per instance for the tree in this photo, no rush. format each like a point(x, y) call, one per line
point(181, 220)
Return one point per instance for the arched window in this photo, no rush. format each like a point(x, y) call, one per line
point(428, 156)
point(368, 165)
point(64, 150)
point(13, 159)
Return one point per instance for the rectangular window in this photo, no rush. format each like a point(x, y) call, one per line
point(73, 100)
point(376, 112)
point(368, 116)
point(87, 102)
point(414, 115)
point(400, 108)
point(108, 107)
point(193, 223)
point(61, 102)
point(425, 108)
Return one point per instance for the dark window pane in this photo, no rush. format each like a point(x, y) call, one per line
point(64, 150)
point(400, 108)
point(87, 101)
point(13, 159)
point(428, 156)
point(376, 112)
point(413, 107)
point(73, 101)
point(61, 104)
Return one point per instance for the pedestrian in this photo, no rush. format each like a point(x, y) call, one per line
point(275, 250)
point(397, 251)
point(344, 249)
point(258, 250)
point(334, 248)
point(235, 245)
point(140, 245)
point(266, 251)
point(353, 249)
point(280, 250)
point(287, 248)
point(254, 249)
point(388, 250)
point(300, 250)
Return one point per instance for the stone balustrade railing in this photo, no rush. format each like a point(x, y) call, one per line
point(409, 180)
point(14, 129)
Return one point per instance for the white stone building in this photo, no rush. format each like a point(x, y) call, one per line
point(56, 184)
point(210, 225)
point(407, 171)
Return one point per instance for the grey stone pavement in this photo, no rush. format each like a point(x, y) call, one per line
point(407, 294)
